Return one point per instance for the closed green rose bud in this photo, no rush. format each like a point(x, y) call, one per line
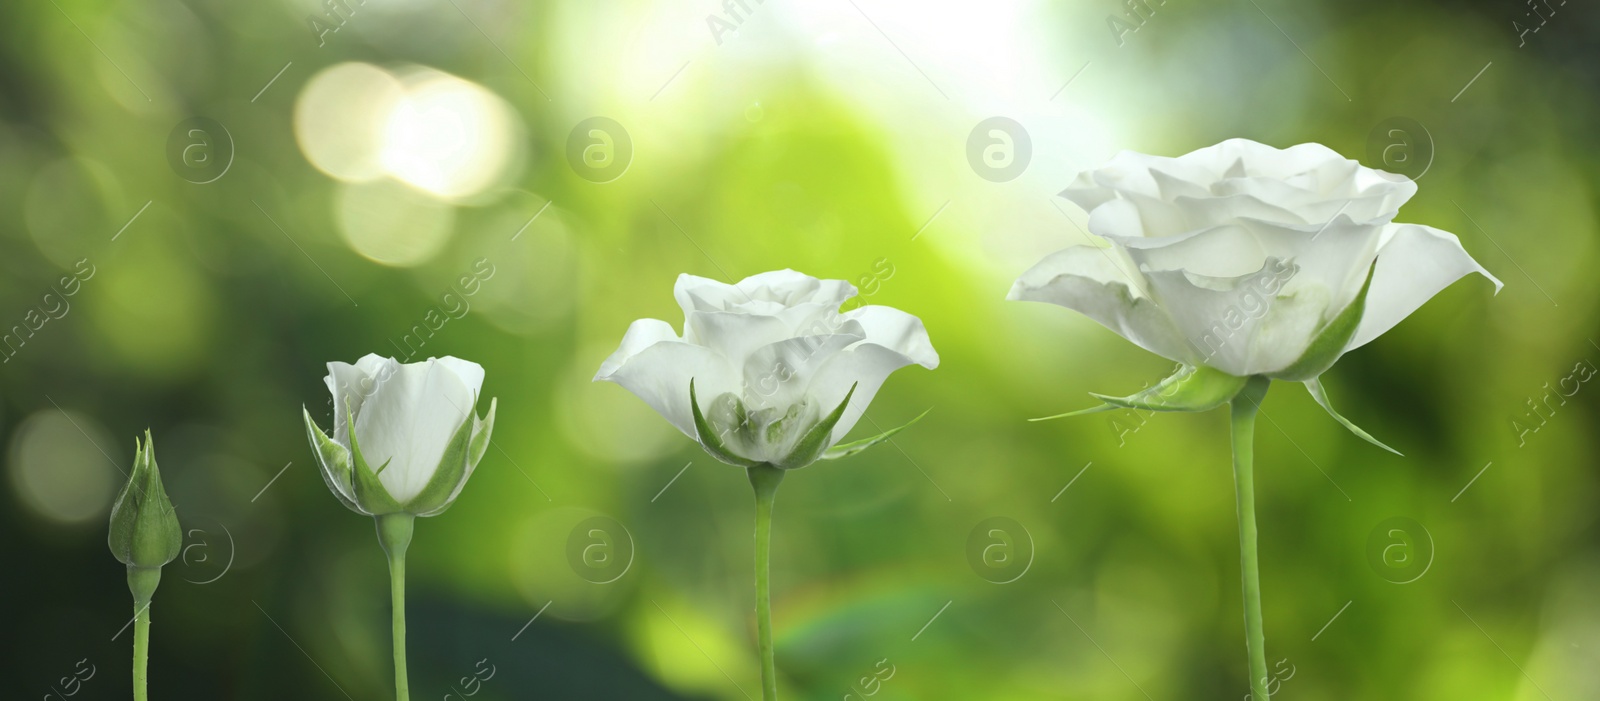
point(145, 535)
point(144, 529)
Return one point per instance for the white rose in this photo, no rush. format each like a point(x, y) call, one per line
point(772, 361)
point(415, 440)
point(1239, 256)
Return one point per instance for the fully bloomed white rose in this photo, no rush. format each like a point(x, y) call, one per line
point(771, 359)
point(1237, 257)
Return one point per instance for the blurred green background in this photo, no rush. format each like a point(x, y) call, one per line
point(361, 160)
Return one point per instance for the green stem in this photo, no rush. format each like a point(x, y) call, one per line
point(765, 479)
point(394, 533)
point(1245, 406)
point(142, 581)
point(141, 649)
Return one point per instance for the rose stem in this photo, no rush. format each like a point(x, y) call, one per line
point(1244, 429)
point(142, 581)
point(765, 479)
point(394, 533)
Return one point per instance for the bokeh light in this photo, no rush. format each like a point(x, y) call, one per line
point(58, 467)
point(393, 224)
point(67, 207)
point(339, 119)
point(448, 136)
point(441, 134)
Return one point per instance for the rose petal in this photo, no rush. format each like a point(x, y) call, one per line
point(897, 331)
point(641, 335)
point(1335, 255)
point(781, 374)
point(1126, 173)
point(1099, 283)
point(734, 335)
point(766, 293)
point(350, 385)
point(470, 373)
point(865, 366)
point(792, 288)
point(409, 421)
point(660, 374)
point(1415, 263)
point(1222, 318)
point(1136, 216)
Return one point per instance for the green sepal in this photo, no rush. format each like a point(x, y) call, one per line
point(848, 449)
point(481, 431)
point(144, 533)
point(370, 494)
point(1321, 395)
point(454, 467)
point(333, 461)
point(816, 441)
point(708, 437)
point(1331, 341)
point(1191, 388)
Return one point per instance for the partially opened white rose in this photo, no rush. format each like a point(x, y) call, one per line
point(415, 438)
point(768, 375)
point(771, 359)
point(405, 439)
point(1238, 256)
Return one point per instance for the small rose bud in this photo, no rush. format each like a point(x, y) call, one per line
point(144, 528)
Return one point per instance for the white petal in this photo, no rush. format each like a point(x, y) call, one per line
point(824, 367)
point(470, 373)
point(1342, 187)
point(1128, 172)
point(866, 366)
point(1290, 320)
point(780, 374)
point(812, 318)
point(641, 335)
point(766, 292)
point(1101, 285)
point(1415, 263)
point(1250, 297)
point(1334, 256)
point(350, 385)
point(786, 278)
point(1221, 250)
point(789, 287)
point(897, 331)
point(1260, 160)
point(409, 421)
point(1176, 179)
point(1206, 211)
point(734, 335)
point(660, 376)
point(694, 292)
point(1222, 317)
point(1135, 216)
